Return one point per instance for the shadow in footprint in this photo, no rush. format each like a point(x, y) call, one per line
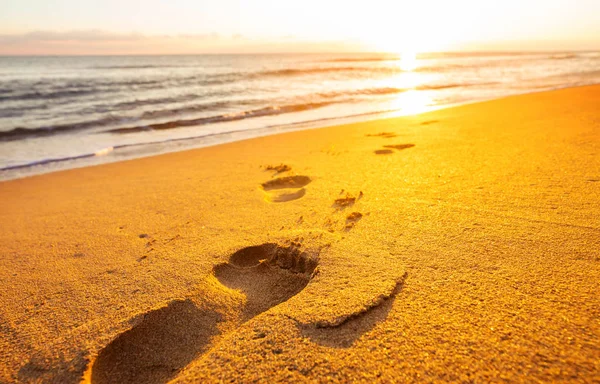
point(286, 195)
point(166, 340)
point(286, 182)
point(345, 202)
point(267, 274)
point(386, 135)
point(155, 350)
point(346, 334)
point(383, 152)
point(399, 146)
point(352, 219)
point(278, 168)
point(285, 189)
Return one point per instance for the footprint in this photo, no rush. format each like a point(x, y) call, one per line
point(399, 146)
point(267, 274)
point(153, 351)
point(166, 340)
point(387, 135)
point(388, 151)
point(285, 195)
point(352, 219)
point(345, 202)
point(285, 189)
point(286, 182)
point(278, 168)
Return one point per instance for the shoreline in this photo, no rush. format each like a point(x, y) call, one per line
point(52, 165)
point(454, 245)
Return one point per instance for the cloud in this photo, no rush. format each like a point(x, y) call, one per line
point(94, 35)
point(99, 42)
point(94, 41)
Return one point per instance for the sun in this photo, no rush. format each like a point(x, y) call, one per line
point(404, 48)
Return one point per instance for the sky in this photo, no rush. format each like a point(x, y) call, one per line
point(73, 27)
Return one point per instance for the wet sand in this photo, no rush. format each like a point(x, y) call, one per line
point(458, 245)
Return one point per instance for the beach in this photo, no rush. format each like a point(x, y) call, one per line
point(459, 245)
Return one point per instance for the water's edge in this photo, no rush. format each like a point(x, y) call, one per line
point(143, 150)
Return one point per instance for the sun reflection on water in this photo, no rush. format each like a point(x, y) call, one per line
point(405, 80)
point(412, 102)
point(408, 61)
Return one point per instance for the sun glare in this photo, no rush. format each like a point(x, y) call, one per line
point(412, 102)
point(408, 61)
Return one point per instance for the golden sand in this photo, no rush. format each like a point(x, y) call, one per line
point(458, 245)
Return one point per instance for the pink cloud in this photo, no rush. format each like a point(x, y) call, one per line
point(102, 42)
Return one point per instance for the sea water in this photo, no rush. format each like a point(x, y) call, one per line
point(66, 112)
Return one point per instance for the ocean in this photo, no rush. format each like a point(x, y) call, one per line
point(67, 112)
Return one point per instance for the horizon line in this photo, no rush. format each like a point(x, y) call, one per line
point(307, 53)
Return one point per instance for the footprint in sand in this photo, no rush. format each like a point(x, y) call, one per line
point(166, 340)
point(286, 188)
point(399, 146)
point(340, 204)
point(388, 148)
point(347, 201)
point(352, 219)
point(268, 275)
point(386, 135)
point(281, 168)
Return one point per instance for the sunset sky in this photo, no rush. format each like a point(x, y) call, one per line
point(231, 26)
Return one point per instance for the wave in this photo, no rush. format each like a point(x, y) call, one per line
point(223, 78)
point(76, 89)
point(185, 110)
point(590, 54)
point(318, 70)
point(48, 90)
point(393, 90)
point(441, 86)
point(266, 111)
point(22, 133)
point(441, 67)
point(47, 161)
point(328, 96)
point(58, 88)
point(563, 56)
point(19, 111)
point(36, 95)
point(309, 101)
point(363, 91)
point(71, 90)
point(134, 66)
point(127, 105)
point(363, 59)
